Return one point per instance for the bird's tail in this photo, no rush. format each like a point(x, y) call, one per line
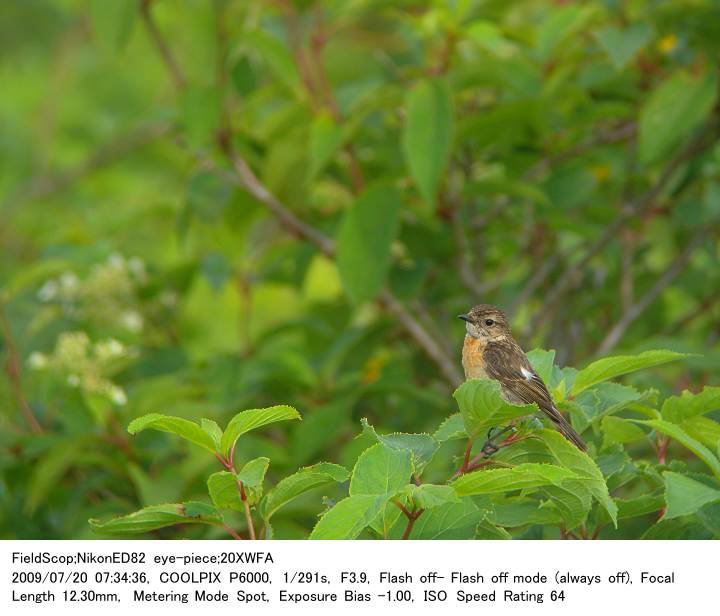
point(568, 431)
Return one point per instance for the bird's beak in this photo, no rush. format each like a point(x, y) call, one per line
point(464, 317)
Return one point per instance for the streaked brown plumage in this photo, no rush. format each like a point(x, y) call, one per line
point(490, 351)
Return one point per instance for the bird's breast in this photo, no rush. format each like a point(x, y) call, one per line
point(472, 358)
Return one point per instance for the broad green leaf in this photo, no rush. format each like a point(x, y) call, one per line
point(584, 468)
point(703, 429)
point(252, 474)
point(618, 430)
point(572, 500)
point(184, 428)
point(450, 521)
point(677, 107)
point(211, 428)
point(682, 437)
point(483, 407)
point(451, 429)
point(679, 408)
point(639, 506)
point(325, 139)
point(621, 45)
point(523, 511)
point(224, 491)
point(308, 478)
point(427, 134)
point(542, 362)
point(364, 241)
point(348, 518)
point(158, 516)
point(427, 495)
point(487, 530)
point(610, 367)
point(684, 495)
point(422, 446)
point(521, 477)
point(381, 470)
point(252, 419)
point(275, 54)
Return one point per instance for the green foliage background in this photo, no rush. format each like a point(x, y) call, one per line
point(214, 206)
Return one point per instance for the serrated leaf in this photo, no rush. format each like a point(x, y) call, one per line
point(252, 474)
point(610, 367)
point(583, 466)
point(184, 428)
point(684, 495)
point(253, 419)
point(677, 107)
point(524, 511)
point(213, 430)
point(680, 408)
point(639, 506)
point(289, 488)
point(381, 470)
point(224, 491)
point(427, 134)
point(364, 241)
point(422, 446)
point(427, 495)
point(158, 516)
point(521, 477)
point(450, 521)
point(451, 429)
point(543, 363)
point(349, 517)
point(682, 437)
point(482, 407)
point(618, 430)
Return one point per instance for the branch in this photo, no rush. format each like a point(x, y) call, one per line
point(569, 277)
point(12, 368)
point(161, 45)
point(672, 272)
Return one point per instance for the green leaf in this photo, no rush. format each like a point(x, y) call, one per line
point(200, 111)
point(450, 429)
point(427, 495)
point(677, 107)
point(610, 367)
point(685, 496)
point(208, 194)
point(427, 134)
point(325, 139)
point(184, 428)
point(112, 22)
point(158, 516)
point(252, 474)
point(677, 433)
point(483, 407)
point(422, 446)
point(449, 521)
point(584, 468)
point(680, 408)
point(364, 241)
point(348, 518)
point(523, 511)
point(381, 470)
point(543, 363)
point(622, 45)
point(274, 52)
point(639, 506)
point(252, 419)
point(224, 492)
point(618, 430)
point(521, 477)
point(308, 478)
point(211, 428)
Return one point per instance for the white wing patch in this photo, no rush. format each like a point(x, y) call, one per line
point(527, 374)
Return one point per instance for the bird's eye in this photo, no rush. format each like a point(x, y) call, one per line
point(489, 322)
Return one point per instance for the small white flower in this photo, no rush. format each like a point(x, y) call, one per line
point(37, 361)
point(118, 395)
point(108, 349)
point(69, 281)
point(73, 380)
point(132, 320)
point(48, 291)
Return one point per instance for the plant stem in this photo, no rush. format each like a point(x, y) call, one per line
point(246, 506)
point(230, 531)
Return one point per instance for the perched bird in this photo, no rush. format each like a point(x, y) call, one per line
point(490, 351)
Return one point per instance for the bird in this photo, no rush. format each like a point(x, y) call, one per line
point(490, 352)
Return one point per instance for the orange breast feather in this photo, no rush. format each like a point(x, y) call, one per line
point(472, 358)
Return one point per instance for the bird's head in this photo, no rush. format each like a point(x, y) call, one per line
point(486, 321)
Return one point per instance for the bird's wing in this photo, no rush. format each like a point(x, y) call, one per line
point(508, 364)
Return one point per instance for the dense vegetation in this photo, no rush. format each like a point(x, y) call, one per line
point(281, 206)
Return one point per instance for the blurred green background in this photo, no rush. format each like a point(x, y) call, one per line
point(207, 206)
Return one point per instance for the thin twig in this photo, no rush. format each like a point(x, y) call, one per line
point(246, 507)
point(232, 532)
point(632, 313)
point(161, 45)
point(12, 369)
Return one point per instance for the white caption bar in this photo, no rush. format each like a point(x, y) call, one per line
point(418, 577)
